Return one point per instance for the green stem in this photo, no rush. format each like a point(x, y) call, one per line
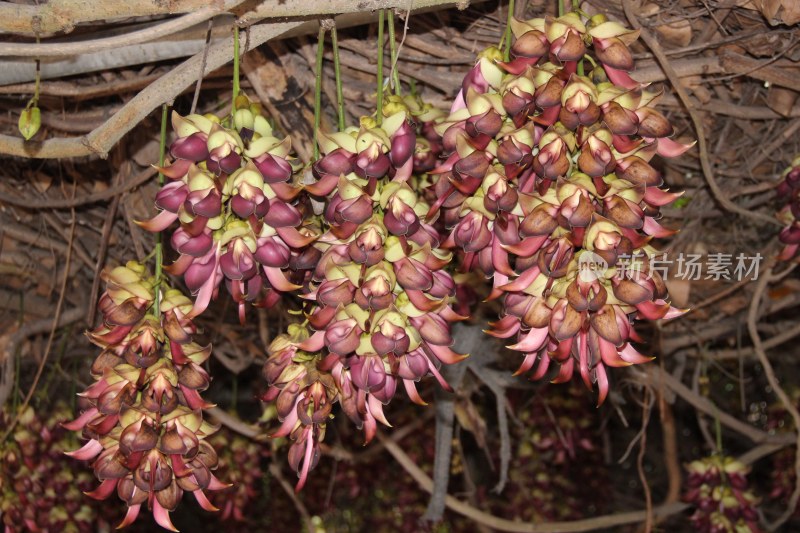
point(318, 89)
point(379, 118)
point(37, 80)
point(159, 245)
point(235, 62)
point(560, 8)
point(338, 74)
point(576, 5)
point(507, 35)
point(393, 54)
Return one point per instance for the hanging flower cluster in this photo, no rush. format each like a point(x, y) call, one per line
point(378, 306)
point(717, 487)
point(240, 465)
point(144, 422)
point(548, 188)
point(789, 192)
point(40, 489)
point(553, 476)
point(232, 192)
point(782, 475)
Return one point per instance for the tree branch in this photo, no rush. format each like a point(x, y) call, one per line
point(102, 139)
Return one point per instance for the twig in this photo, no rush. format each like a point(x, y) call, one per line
point(769, 372)
point(235, 424)
point(108, 223)
point(502, 524)
point(706, 406)
point(705, 163)
point(69, 203)
point(275, 471)
point(48, 348)
point(151, 33)
point(33, 328)
point(100, 140)
point(670, 444)
point(199, 83)
point(772, 342)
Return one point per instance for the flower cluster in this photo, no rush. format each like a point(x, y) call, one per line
point(379, 298)
point(717, 487)
point(240, 464)
point(552, 475)
point(231, 189)
point(144, 422)
point(40, 489)
point(789, 191)
point(547, 182)
point(782, 474)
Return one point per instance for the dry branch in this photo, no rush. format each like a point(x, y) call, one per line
point(102, 139)
point(64, 15)
point(85, 46)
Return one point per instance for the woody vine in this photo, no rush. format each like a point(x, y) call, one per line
point(541, 165)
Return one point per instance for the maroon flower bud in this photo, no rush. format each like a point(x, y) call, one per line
point(404, 141)
point(340, 162)
point(472, 232)
point(138, 437)
point(172, 196)
point(238, 263)
point(637, 171)
point(390, 338)
point(619, 120)
point(653, 124)
point(596, 158)
point(335, 292)
point(552, 161)
point(399, 218)
point(192, 148)
point(272, 252)
point(613, 52)
point(342, 336)
point(368, 372)
point(375, 294)
point(194, 245)
point(273, 169)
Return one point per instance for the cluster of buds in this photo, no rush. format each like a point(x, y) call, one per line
point(547, 187)
point(40, 489)
point(378, 304)
point(717, 487)
point(554, 474)
point(144, 414)
point(240, 464)
point(789, 192)
point(232, 190)
point(782, 475)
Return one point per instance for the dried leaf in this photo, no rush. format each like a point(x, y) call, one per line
point(775, 11)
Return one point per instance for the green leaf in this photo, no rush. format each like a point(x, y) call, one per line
point(29, 122)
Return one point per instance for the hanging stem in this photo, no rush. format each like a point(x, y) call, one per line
point(560, 8)
point(393, 54)
point(338, 74)
point(318, 89)
point(235, 62)
point(507, 35)
point(162, 149)
point(379, 118)
point(575, 8)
